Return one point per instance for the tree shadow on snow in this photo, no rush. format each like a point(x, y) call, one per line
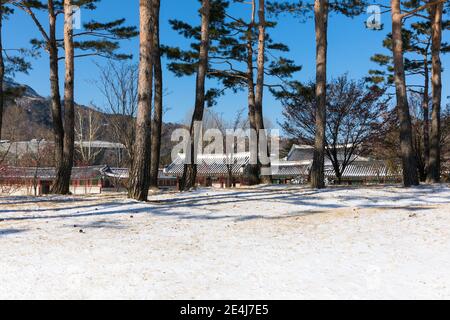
point(8, 232)
point(181, 206)
point(101, 224)
point(95, 206)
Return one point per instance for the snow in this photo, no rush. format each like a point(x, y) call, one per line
point(273, 242)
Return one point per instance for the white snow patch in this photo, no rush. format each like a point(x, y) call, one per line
point(270, 242)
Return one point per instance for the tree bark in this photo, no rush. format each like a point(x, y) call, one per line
point(410, 174)
point(140, 174)
point(426, 114)
point(253, 170)
point(190, 169)
point(259, 93)
point(58, 129)
point(2, 69)
point(158, 103)
point(434, 166)
point(62, 183)
point(229, 178)
point(321, 26)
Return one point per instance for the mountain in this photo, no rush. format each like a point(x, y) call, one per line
point(28, 116)
point(27, 90)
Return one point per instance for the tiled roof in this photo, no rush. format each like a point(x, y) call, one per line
point(212, 165)
point(120, 173)
point(285, 169)
point(78, 173)
point(216, 165)
point(123, 173)
point(305, 154)
point(372, 169)
point(23, 147)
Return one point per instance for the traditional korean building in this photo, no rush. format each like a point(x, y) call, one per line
point(38, 181)
point(117, 178)
point(84, 180)
point(214, 169)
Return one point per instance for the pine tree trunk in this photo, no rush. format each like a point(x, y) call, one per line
point(230, 177)
point(158, 103)
point(62, 183)
point(252, 171)
point(190, 169)
point(434, 167)
point(2, 70)
point(426, 115)
point(140, 174)
point(259, 93)
point(58, 129)
point(321, 25)
point(410, 174)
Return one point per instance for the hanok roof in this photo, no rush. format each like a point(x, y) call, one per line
point(302, 153)
point(290, 169)
point(363, 169)
point(123, 173)
point(372, 169)
point(78, 173)
point(24, 147)
point(305, 154)
point(212, 164)
point(118, 173)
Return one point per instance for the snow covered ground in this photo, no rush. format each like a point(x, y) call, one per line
point(266, 242)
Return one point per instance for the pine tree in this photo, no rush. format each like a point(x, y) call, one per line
point(158, 102)
point(190, 168)
point(410, 172)
point(417, 40)
point(61, 185)
point(140, 171)
point(434, 165)
point(233, 51)
point(96, 39)
point(9, 63)
point(410, 177)
point(321, 24)
point(321, 9)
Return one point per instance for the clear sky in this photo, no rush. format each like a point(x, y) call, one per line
point(350, 48)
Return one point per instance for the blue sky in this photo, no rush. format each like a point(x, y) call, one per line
point(350, 48)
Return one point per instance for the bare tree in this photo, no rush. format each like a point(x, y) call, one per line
point(190, 169)
point(419, 142)
point(37, 165)
point(140, 171)
point(355, 115)
point(118, 83)
point(88, 125)
point(237, 123)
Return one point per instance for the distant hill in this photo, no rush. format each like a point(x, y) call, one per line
point(27, 90)
point(28, 117)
